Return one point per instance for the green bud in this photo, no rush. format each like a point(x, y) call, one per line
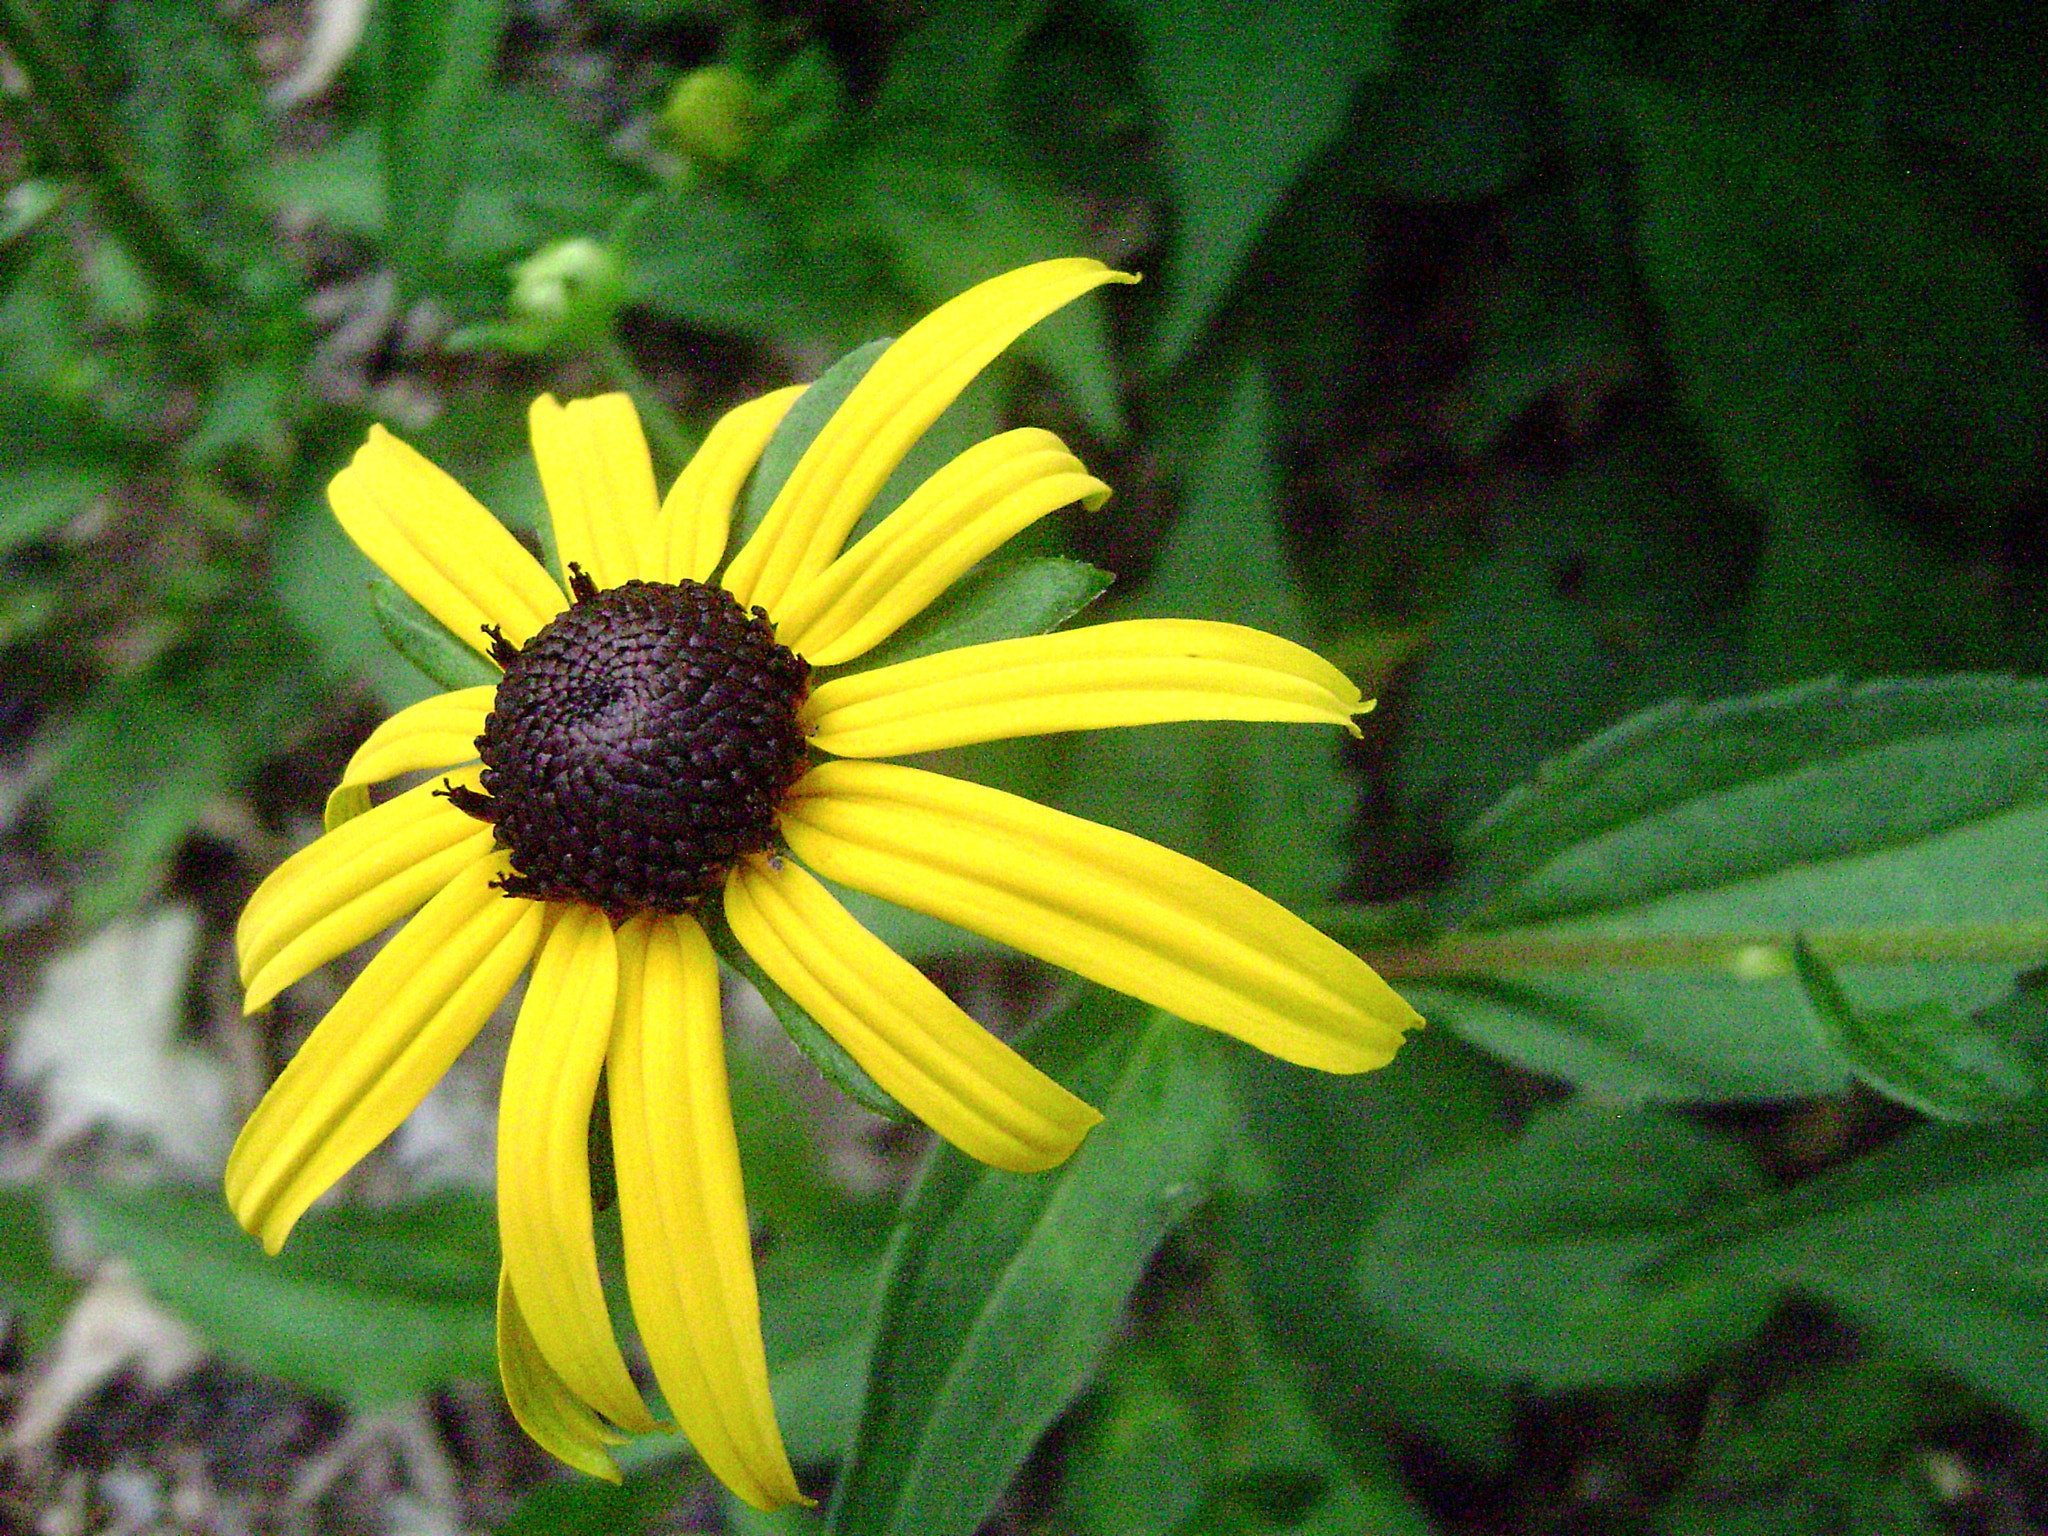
point(570, 288)
point(715, 115)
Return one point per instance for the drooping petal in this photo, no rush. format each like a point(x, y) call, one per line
point(433, 538)
point(599, 482)
point(888, 411)
point(689, 1259)
point(1112, 907)
point(933, 1059)
point(696, 517)
point(433, 733)
point(1137, 672)
point(373, 1058)
point(973, 505)
point(552, 1416)
point(352, 883)
point(544, 1220)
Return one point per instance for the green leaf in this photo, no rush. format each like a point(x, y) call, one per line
point(1936, 1240)
point(1249, 95)
point(145, 755)
point(533, 172)
point(1636, 902)
point(1531, 1260)
point(1925, 1056)
point(1456, 124)
point(1829, 1452)
point(643, 1499)
point(1326, 1153)
point(1002, 1289)
point(424, 641)
point(326, 586)
point(1265, 803)
point(954, 215)
point(37, 499)
point(794, 433)
point(825, 1053)
point(365, 1307)
point(1823, 314)
point(433, 61)
point(1688, 796)
point(33, 1286)
point(706, 256)
point(1002, 600)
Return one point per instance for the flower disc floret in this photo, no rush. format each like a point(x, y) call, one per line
point(638, 746)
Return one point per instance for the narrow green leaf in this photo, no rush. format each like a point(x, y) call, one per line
point(825, 1053)
point(1249, 95)
point(365, 1307)
point(804, 421)
point(424, 641)
point(1925, 1055)
point(1530, 1260)
point(999, 601)
point(1003, 1289)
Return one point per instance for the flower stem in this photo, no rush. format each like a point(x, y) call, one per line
point(671, 440)
point(89, 145)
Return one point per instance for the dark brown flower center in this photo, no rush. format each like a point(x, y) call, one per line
point(638, 745)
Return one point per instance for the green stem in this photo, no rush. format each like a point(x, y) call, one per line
point(671, 441)
point(91, 147)
point(1759, 955)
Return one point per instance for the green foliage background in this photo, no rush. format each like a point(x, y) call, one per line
point(1648, 400)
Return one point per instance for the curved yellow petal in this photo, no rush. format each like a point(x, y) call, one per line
point(551, 1072)
point(599, 481)
point(552, 1416)
point(689, 1256)
point(910, 1037)
point(696, 517)
point(437, 542)
point(1112, 907)
point(354, 882)
point(973, 505)
point(888, 411)
point(1137, 672)
point(433, 733)
point(418, 1002)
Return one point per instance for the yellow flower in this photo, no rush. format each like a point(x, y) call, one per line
point(648, 750)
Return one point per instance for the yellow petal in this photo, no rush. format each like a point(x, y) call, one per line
point(888, 411)
point(1138, 672)
point(418, 1002)
point(697, 514)
point(433, 733)
point(552, 1415)
point(932, 1058)
point(551, 1072)
point(352, 883)
point(689, 1256)
point(1114, 908)
point(433, 538)
point(599, 483)
point(973, 505)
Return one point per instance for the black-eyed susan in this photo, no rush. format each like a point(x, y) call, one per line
point(654, 753)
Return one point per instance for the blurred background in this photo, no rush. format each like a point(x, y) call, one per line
point(1546, 363)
